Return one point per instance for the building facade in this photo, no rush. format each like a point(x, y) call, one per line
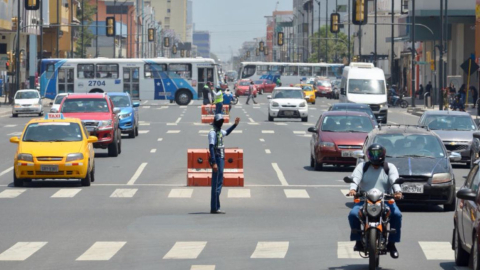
point(201, 39)
point(173, 15)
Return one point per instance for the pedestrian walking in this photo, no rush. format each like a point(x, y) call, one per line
point(217, 96)
point(474, 92)
point(251, 88)
point(428, 89)
point(463, 94)
point(227, 99)
point(217, 159)
point(420, 92)
point(206, 93)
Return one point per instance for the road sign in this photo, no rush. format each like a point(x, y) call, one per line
point(469, 66)
point(422, 62)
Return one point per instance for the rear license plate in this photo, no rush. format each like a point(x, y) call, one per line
point(49, 168)
point(288, 113)
point(347, 153)
point(412, 188)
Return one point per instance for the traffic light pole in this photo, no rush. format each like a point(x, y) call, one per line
point(326, 31)
point(375, 38)
point(414, 54)
point(17, 51)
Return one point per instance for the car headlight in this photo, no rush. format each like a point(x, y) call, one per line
point(123, 116)
point(441, 178)
point(75, 156)
point(105, 123)
point(274, 104)
point(303, 104)
point(327, 144)
point(25, 157)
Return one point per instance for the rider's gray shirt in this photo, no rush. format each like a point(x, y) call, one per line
point(375, 178)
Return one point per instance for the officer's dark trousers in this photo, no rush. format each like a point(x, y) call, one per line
point(218, 108)
point(217, 183)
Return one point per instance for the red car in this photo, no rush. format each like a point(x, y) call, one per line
point(336, 136)
point(324, 89)
point(242, 86)
point(265, 86)
point(99, 117)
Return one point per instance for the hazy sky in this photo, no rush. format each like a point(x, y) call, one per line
point(231, 22)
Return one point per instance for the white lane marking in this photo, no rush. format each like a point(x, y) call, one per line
point(256, 107)
point(345, 251)
point(153, 150)
point(66, 193)
point(124, 193)
point(270, 250)
point(101, 251)
point(437, 250)
point(239, 106)
point(180, 193)
point(307, 124)
point(171, 124)
point(202, 267)
point(146, 107)
point(280, 175)
point(143, 131)
point(164, 107)
point(305, 136)
point(137, 174)
point(21, 251)
point(203, 131)
point(173, 131)
point(345, 192)
point(145, 102)
point(393, 122)
point(183, 107)
point(198, 124)
point(296, 193)
point(280, 124)
point(6, 171)
point(144, 124)
point(239, 193)
point(299, 132)
point(237, 131)
point(14, 134)
point(312, 108)
point(262, 140)
point(159, 139)
point(254, 124)
point(247, 116)
point(178, 120)
point(267, 151)
point(11, 193)
point(181, 115)
point(185, 250)
point(268, 131)
point(7, 126)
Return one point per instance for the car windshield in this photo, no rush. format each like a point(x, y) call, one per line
point(258, 82)
point(354, 109)
point(53, 132)
point(404, 145)
point(85, 105)
point(121, 101)
point(370, 87)
point(288, 94)
point(59, 99)
point(244, 83)
point(27, 95)
point(346, 123)
point(325, 84)
point(450, 122)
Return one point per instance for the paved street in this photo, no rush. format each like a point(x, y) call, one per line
point(139, 214)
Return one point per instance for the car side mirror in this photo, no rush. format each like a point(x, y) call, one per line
point(116, 110)
point(92, 139)
point(342, 91)
point(466, 194)
point(14, 140)
point(269, 97)
point(358, 154)
point(312, 130)
point(136, 104)
point(454, 156)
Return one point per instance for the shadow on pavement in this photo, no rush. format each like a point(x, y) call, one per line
point(449, 266)
point(356, 267)
point(199, 213)
point(101, 155)
point(51, 183)
point(420, 208)
point(331, 169)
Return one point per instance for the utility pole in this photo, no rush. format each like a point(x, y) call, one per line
point(71, 28)
point(115, 27)
point(326, 32)
point(319, 24)
point(96, 29)
point(336, 34)
point(83, 29)
point(58, 27)
point(349, 34)
point(375, 38)
point(17, 51)
point(303, 35)
point(41, 35)
point(392, 48)
point(414, 54)
point(440, 62)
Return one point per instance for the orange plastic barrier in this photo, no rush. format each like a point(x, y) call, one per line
point(208, 119)
point(200, 173)
point(210, 110)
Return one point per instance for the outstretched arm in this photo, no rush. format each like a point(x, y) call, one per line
point(230, 129)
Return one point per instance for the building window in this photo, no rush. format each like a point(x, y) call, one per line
point(118, 9)
point(107, 71)
point(85, 71)
point(153, 71)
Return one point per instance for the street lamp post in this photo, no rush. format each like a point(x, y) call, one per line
point(319, 21)
point(303, 35)
point(414, 53)
point(326, 32)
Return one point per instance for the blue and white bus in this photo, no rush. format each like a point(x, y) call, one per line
point(180, 79)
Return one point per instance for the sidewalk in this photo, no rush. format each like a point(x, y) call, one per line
point(419, 108)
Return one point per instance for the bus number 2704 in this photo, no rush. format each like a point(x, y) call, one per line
point(96, 83)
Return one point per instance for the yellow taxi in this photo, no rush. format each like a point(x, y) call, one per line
point(54, 147)
point(309, 92)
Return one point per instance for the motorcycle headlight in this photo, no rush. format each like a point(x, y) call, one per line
point(25, 157)
point(327, 144)
point(274, 104)
point(126, 115)
point(74, 156)
point(441, 178)
point(303, 104)
point(374, 210)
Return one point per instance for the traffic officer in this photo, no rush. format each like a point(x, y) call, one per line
point(206, 93)
point(217, 159)
point(217, 99)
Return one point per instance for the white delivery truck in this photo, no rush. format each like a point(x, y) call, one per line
point(364, 83)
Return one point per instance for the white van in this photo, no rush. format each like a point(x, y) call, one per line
point(364, 83)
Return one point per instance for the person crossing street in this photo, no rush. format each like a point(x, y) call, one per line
point(251, 88)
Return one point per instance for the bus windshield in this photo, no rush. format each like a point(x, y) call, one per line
point(370, 87)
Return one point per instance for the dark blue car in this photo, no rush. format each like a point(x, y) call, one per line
point(128, 116)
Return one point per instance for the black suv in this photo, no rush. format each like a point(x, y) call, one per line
point(422, 162)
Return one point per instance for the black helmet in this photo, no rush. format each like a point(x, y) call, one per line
point(209, 83)
point(218, 121)
point(376, 154)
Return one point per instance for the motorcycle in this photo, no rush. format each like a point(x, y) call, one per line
point(400, 102)
point(374, 218)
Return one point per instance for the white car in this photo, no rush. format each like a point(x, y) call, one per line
point(27, 101)
point(287, 102)
point(56, 103)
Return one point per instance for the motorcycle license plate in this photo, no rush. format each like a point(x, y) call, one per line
point(288, 113)
point(347, 153)
point(49, 168)
point(412, 188)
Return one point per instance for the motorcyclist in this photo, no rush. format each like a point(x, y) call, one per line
point(393, 95)
point(458, 103)
point(379, 174)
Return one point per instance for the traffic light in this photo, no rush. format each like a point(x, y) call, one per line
point(151, 34)
point(166, 42)
point(360, 12)
point(280, 38)
point(334, 23)
point(182, 53)
point(257, 52)
point(428, 57)
point(110, 24)
point(261, 46)
point(432, 64)
point(174, 49)
point(10, 64)
point(248, 54)
point(32, 4)
point(265, 52)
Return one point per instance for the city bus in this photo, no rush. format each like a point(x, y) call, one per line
point(289, 73)
point(180, 79)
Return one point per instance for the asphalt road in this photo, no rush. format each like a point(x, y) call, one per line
point(139, 214)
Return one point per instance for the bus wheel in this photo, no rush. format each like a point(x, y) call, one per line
point(96, 90)
point(183, 97)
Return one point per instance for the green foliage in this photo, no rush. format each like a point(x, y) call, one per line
point(334, 46)
point(88, 13)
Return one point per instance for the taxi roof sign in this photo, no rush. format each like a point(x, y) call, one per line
point(52, 116)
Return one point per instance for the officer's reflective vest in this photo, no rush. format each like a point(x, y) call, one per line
point(218, 98)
